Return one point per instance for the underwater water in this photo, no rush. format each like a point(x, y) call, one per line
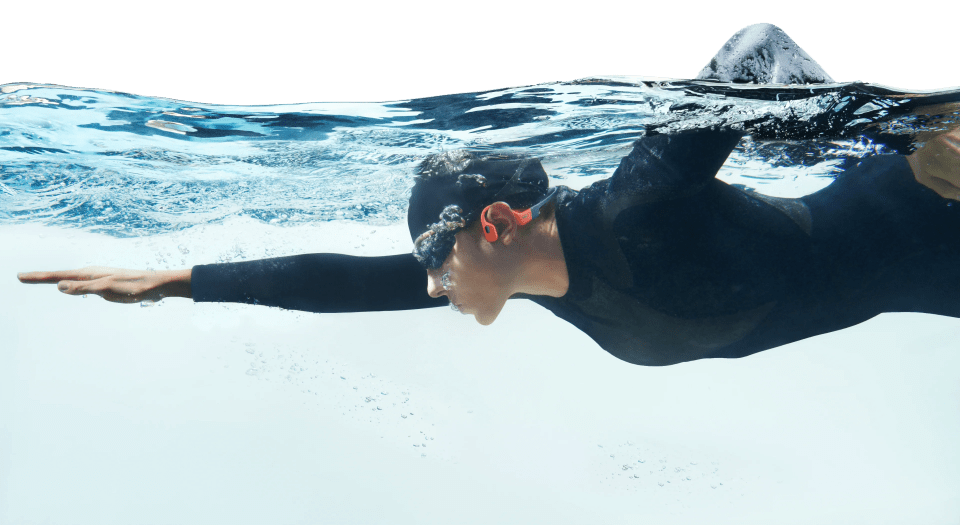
point(126, 165)
point(194, 413)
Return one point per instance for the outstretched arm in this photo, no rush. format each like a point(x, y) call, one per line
point(114, 284)
point(320, 282)
point(323, 282)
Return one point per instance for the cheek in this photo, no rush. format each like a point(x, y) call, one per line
point(479, 288)
point(483, 300)
point(476, 286)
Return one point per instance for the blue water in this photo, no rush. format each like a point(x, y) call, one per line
point(127, 165)
point(114, 411)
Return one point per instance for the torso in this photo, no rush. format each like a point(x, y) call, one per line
point(720, 272)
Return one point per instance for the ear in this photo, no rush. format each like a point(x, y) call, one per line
point(503, 219)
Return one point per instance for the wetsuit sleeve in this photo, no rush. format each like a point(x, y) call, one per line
point(678, 161)
point(660, 168)
point(321, 282)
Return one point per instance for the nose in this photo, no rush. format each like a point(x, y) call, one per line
point(434, 284)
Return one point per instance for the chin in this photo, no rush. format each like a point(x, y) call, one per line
point(486, 318)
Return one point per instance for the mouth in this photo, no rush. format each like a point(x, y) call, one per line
point(456, 307)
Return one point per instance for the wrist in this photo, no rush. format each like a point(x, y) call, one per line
point(175, 283)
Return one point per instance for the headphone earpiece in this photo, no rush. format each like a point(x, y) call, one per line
point(489, 230)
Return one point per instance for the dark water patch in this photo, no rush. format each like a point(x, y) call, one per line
point(753, 91)
point(602, 101)
point(34, 150)
point(612, 83)
point(210, 133)
point(457, 112)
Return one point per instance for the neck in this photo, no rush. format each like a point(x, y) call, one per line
point(543, 269)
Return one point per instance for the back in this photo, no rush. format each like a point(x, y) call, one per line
point(686, 267)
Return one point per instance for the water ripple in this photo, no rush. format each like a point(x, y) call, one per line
point(127, 165)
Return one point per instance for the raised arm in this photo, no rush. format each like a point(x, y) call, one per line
point(676, 161)
point(664, 167)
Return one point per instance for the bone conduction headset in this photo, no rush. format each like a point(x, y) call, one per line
point(523, 217)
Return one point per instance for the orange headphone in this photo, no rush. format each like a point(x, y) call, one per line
point(523, 217)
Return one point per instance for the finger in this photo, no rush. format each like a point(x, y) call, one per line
point(80, 287)
point(111, 289)
point(70, 287)
point(82, 274)
point(40, 277)
point(52, 277)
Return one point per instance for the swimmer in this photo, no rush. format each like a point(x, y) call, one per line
point(659, 264)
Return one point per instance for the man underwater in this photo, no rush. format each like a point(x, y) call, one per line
point(659, 264)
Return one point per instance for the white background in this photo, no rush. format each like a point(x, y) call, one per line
point(117, 414)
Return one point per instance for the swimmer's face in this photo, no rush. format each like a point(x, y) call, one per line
point(478, 276)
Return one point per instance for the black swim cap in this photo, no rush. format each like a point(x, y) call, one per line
point(452, 188)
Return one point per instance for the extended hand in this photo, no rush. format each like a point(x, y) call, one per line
point(114, 284)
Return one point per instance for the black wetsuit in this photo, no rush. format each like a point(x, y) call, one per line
point(668, 264)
